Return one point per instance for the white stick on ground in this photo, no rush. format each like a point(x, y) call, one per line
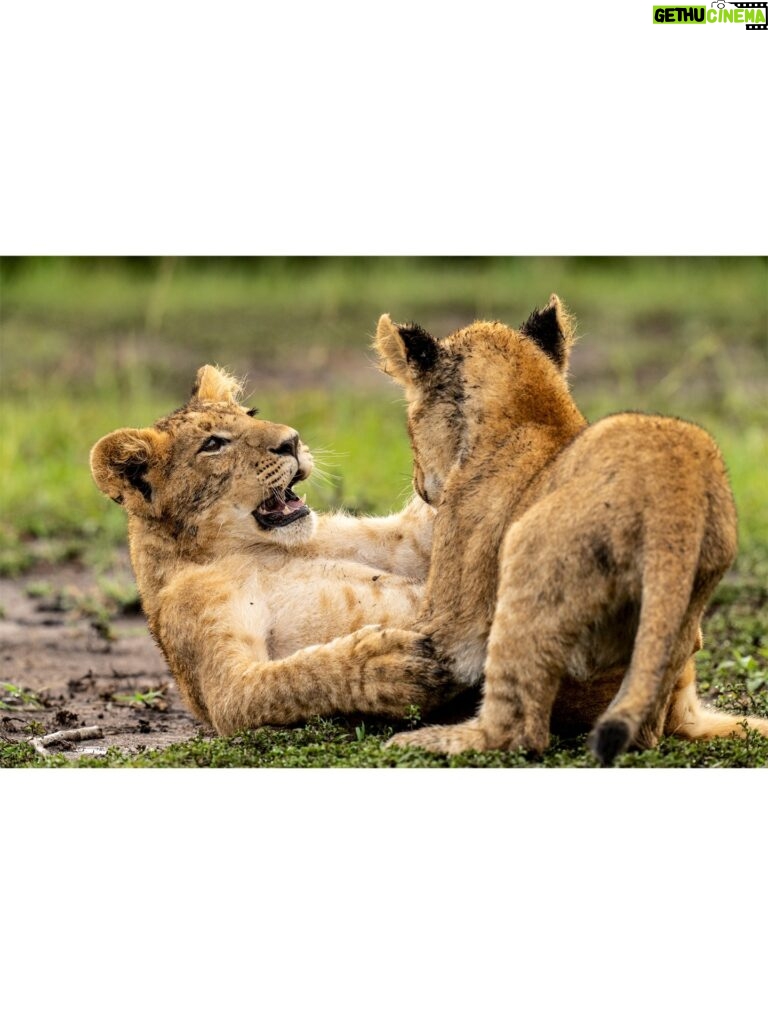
point(91, 732)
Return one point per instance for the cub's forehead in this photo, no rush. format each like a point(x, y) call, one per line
point(204, 417)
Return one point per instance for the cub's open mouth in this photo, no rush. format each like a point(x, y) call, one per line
point(281, 509)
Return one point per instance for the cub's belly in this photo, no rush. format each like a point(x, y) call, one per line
point(319, 606)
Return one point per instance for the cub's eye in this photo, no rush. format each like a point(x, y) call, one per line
point(213, 444)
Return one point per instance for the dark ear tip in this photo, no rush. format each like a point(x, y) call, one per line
point(412, 329)
point(539, 317)
point(420, 346)
point(545, 328)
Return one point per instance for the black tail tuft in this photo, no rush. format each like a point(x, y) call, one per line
point(610, 739)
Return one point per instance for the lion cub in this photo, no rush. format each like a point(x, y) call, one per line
point(571, 564)
point(266, 612)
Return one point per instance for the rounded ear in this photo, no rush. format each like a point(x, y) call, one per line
point(215, 385)
point(405, 350)
point(552, 328)
point(119, 464)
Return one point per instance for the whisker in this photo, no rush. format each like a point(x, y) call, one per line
point(321, 474)
point(327, 451)
point(406, 492)
point(323, 463)
point(324, 457)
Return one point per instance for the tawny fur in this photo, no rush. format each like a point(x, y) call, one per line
point(266, 625)
point(571, 563)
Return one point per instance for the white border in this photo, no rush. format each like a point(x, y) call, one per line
point(562, 128)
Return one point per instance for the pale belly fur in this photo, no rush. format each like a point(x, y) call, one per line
point(325, 600)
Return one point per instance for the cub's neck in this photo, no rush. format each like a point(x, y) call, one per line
point(155, 558)
point(493, 484)
point(532, 429)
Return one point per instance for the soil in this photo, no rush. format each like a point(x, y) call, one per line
point(73, 669)
point(75, 672)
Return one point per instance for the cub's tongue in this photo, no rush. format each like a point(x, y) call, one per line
point(292, 502)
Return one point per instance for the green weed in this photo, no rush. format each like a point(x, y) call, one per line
point(111, 597)
point(17, 697)
point(19, 755)
point(140, 699)
point(413, 715)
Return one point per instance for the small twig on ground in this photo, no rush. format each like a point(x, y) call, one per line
point(91, 732)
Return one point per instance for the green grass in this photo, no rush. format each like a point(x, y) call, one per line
point(331, 744)
point(94, 294)
point(91, 345)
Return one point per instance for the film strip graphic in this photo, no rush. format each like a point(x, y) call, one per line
point(751, 24)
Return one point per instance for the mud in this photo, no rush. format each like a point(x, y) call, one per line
point(78, 667)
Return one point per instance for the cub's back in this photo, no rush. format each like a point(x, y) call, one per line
point(640, 452)
point(630, 473)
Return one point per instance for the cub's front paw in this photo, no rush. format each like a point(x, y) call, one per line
point(399, 669)
point(444, 739)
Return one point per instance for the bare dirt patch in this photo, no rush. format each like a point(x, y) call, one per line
point(64, 668)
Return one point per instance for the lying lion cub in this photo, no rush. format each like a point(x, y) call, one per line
point(571, 563)
point(238, 577)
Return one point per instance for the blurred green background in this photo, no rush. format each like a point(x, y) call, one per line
point(88, 345)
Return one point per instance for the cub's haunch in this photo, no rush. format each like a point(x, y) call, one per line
point(571, 564)
point(266, 612)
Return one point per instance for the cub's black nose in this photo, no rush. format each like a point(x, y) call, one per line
point(288, 447)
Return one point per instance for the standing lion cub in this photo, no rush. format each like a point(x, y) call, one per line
point(266, 612)
point(571, 564)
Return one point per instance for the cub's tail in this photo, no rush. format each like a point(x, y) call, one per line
point(665, 604)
